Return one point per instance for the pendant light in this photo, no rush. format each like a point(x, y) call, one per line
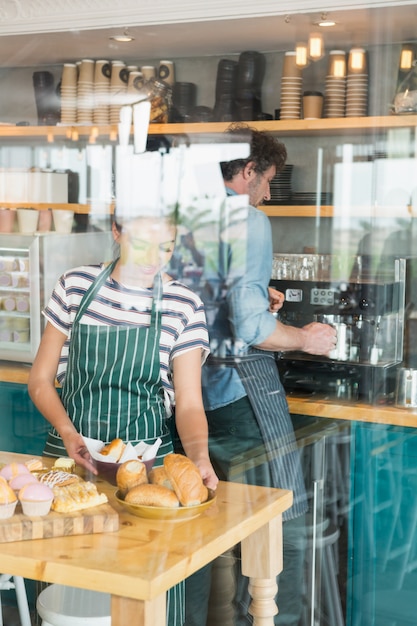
point(406, 58)
point(315, 46)
point(301, 55)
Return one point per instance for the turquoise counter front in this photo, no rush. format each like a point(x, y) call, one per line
point(23, 429)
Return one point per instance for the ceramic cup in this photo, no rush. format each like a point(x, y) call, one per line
point(63, 220)
point(27, 220)
point(7, 220)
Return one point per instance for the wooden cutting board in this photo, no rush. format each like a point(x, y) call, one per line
point(99, 519)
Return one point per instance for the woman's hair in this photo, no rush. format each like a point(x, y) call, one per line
point(119, 222)
point(265, 151)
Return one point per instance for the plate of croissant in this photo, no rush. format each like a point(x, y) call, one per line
point(172, 491)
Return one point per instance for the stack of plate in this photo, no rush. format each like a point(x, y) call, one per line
point(68, 92)
point(357, 84)
point(85, 92)
point(335, 93)
point(280, 187)
point(291, 89)
point(311, 198)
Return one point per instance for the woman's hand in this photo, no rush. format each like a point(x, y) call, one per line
point(207, 474)
point(77, 450)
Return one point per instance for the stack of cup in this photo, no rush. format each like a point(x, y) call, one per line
point(166, 72)
point(134, 87)
point(148, 71)
point(118, 89)
point(85, 92)
point(101, 113)
point(291, 88)
point(357, 84)
point(335, 93)
point(69, 93)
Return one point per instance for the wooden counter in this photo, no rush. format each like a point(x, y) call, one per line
point(312, 405)
point(144, 558)
point(337, 409)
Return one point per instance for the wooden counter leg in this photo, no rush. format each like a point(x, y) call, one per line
point(138, 612)
point(262, 562)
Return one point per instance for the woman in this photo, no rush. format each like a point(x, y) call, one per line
point(121, 338)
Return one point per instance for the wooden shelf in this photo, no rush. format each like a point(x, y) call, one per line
point(296, 211)
point(336, 126)
point(101, 208)
point(329, 211)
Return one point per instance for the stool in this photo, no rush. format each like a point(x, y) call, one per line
point(18, 584)
point(59, 605)
point(322, 600)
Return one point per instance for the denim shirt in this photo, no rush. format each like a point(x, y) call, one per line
point(250, 322)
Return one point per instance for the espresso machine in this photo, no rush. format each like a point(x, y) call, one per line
point(366, 306)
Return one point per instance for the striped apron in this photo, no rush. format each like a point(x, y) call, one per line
point(259, 375)
point(113, 388)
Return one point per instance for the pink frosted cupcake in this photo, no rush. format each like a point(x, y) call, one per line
point(8, 500)
point(13, 469)
point(19, 481)
point(36, 499)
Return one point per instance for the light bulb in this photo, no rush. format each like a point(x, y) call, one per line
point(406, 59)
point(315, 47)
point(301, 55)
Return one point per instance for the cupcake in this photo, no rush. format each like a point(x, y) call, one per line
point(19, 481)
point(13, 469)
point(8, 500)
point(36, 499)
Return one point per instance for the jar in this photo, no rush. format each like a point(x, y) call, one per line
point(160, 95)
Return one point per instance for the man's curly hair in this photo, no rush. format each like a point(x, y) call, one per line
point(265, 150)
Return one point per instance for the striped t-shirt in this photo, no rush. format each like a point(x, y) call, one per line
point(183, 319)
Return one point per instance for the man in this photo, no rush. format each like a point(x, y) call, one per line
point(251, 437)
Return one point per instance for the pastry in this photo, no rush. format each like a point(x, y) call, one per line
point(76, 496)
point(152, 495)
point(13, 469)
point(8, 499)
point(19, 481)
point(114, 449)
point(58, 477)
point(130, 474)
point(34, 465)
point(186, 479)
point(36, 499)
point(64, 463)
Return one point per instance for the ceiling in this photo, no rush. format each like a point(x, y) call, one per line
point(366, 27)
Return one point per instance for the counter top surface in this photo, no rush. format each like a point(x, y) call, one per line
point(314, 405)
point(144, 557)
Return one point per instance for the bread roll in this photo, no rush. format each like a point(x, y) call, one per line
point(152, 495)
point(186, 479)
point(114, 449)
point(158, 476)
point(130, 474)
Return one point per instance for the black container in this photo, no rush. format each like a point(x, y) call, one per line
point(47, 99)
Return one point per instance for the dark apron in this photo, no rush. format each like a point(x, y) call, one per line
point(260, 378)
point(113, 388)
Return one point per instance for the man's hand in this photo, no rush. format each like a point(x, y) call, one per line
point(320, 338)
point(276, 299)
